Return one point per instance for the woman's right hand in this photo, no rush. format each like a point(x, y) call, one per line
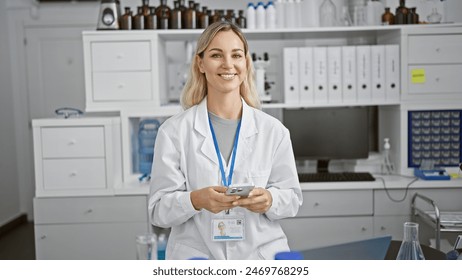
point(212, 199)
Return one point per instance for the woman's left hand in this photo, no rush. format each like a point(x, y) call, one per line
point(258, 201)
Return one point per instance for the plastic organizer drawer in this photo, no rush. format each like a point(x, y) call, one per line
point(74, 174)
point(90, 209)
point(336, 203)
point(435, 49)
point(435, 79)
point(73, 142)
point(121, 56)
point(122, 86)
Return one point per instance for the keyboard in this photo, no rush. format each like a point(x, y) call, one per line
point(335, 177)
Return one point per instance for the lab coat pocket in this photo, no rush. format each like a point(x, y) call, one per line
point(184, 252)
point(259, 177)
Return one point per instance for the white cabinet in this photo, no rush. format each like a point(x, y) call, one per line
point(120, 71)
point(89, 227)
point(77, 156)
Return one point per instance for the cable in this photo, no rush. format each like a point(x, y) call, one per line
point(406, 190)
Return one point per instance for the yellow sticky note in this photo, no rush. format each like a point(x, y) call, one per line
point(418, 76)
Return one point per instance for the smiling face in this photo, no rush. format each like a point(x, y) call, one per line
point(224, 64)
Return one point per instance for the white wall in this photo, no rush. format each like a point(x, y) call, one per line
point(9, 193)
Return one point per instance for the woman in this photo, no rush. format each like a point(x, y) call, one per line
point(222, 139)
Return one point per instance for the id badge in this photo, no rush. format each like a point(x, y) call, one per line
point(230, 228)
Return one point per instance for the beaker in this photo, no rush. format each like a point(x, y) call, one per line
point(410, 248)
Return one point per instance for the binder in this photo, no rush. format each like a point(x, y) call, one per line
point(334, 74)
point(378, 72)
point(306, 75)
point(291, 84)
point(392, 66)
point(349, 74)
point(363, 74)
point(320, 75)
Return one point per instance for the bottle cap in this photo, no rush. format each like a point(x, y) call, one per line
point(294, 255)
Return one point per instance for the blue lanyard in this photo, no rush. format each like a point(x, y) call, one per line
point(226, 182)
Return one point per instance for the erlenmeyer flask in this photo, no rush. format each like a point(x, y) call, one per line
point(410, 248)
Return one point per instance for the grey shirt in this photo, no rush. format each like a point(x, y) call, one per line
point(225, 131)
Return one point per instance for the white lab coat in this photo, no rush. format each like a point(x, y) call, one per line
point(185, 160)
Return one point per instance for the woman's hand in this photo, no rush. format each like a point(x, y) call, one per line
point(258, 201)
point(212, 199)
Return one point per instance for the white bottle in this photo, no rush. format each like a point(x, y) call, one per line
point(290, 14)
point(370, 13)
point(261, 16)
point(270, 15)
point(250, 13)
point(310, 16)
point(280, 13)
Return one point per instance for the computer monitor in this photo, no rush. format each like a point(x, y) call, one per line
point(323, 134)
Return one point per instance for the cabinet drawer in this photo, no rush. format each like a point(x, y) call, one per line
point(438, 79)
point(121, 56)
point(435, 49)
point(72, 174)
point(336, 203)
point(122, 86)
point(76, 142)
point(90, 209)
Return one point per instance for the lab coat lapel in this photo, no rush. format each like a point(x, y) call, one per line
point(248, 130)
point(201, 125)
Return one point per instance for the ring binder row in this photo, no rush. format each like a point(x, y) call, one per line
point(341, 74)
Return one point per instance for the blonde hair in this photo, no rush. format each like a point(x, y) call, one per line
point(195, 89)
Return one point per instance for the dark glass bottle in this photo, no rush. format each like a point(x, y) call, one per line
point(190, 16)
point(388, 18)
point(163, 13)
point(126, 20)
point(175, 17)
point(230, 16)
point(197, 7)
point(210, 15)
point(221, 15)
point(203, 18)
point(138, 19)
point(145, 7)
point(412, 16)
point(401, 13)
point(241, 20)
point(151, 19)
point(164, 20)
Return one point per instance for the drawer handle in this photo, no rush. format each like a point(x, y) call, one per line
point(316, 204)
point(72, 142)
point(383, 228)
point(437, 50)
point(121, 86)
point(120, 56)
point(363, 229)
point(43, 237)
point(73, 174)
point(89, 211)
point(437, 79)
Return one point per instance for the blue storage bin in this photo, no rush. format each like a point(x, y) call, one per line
point(146, 138)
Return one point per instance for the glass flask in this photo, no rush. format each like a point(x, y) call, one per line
point(434, 17)
point(388, 18)
point(328, 14)
point(410, 248)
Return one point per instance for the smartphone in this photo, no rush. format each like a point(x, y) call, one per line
point(240, 190)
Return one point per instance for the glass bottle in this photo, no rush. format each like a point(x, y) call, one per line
point(126, 20)
point(138, 19)
point(401, 13)
point(434, 17)
point(230, 16)
point(204, 18)
point(346, 19)
point(221, 15)
point(151, 19)
point(328, 14)
point(197, 7)
point(241, 20)
point(145, 7)
point(164, 20)
point(412, 16)
point(175, 17)
point(190, 16)
point(163, 14)
point(388, 18)
point(410, 247)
